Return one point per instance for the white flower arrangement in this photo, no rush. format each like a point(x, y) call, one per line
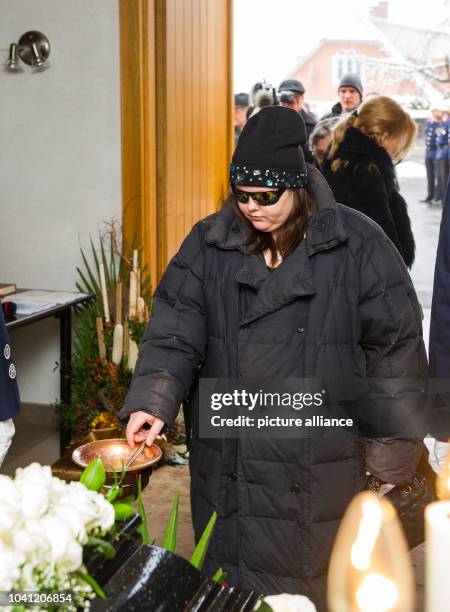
point(44, 524)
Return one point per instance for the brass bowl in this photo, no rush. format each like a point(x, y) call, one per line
point(113, 452)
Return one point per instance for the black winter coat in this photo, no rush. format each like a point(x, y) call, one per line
point(341, 304)
point(9, 391)
point(368, 184)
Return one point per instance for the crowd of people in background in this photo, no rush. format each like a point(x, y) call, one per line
point(356, 145)
point(437, 153)
point(350, 94)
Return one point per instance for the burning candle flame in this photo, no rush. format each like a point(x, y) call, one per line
point(376, 593)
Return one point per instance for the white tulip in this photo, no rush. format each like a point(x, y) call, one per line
point(93, 508)
point(10, 561)
point(105, 516)
point(73, 557)
point(290, 603)
point(10, 509)
point(64, 549)
point(30, 540)
point(34, 483)
point(28, 579)
point(74, 522)
point(58, 490)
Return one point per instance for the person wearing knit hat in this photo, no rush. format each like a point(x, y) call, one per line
point(350, 94)
point(281, 283)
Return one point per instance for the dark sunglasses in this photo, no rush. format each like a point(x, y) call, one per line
point(263, 198)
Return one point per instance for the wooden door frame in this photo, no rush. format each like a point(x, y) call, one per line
point(138, 129)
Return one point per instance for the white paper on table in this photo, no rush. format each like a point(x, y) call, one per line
point(28, 308)
point(48, 297)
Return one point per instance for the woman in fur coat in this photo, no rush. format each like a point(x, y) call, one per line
point(360, 167)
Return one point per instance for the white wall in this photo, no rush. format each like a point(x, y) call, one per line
point(59, 161)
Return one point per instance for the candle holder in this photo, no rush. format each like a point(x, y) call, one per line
point(112, 453)
point(370, 570)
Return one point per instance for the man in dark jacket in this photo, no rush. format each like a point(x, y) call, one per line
point(292, 94)
point(9, 392)
point(350, 94)
point(340, 304)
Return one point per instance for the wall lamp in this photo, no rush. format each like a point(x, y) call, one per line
point(33, 49)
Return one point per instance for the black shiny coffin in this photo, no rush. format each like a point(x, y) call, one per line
point(155, 580)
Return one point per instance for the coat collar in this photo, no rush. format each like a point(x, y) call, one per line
point(291, 280)
point(326, 228)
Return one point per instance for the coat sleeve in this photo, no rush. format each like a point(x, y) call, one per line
point(440, 307)
point(174, 343)
point(372, 199)
point(391, 337)
point(440, 326)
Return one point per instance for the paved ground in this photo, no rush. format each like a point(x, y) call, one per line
point(158, 498)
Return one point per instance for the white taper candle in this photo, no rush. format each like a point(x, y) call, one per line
point(104, 294)
point(437, 556)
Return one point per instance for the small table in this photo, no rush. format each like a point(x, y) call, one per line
point(63, 312)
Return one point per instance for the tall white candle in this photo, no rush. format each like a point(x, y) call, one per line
point(437, 550)
point(133, 351)
point(135, 260)
point(133, 295)
point(117, 350)
point(104, 294)
point(140, 309)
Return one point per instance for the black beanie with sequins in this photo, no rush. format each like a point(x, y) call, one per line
point(268, 152)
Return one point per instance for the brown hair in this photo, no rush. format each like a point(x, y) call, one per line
point(289, 235)
point(376, 118)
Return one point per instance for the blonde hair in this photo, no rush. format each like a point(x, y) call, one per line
point(377, 118)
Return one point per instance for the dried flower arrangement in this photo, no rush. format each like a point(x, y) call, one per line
point(107, 334)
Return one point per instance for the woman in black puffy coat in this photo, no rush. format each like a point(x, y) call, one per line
point(360, 167)
point(282, 283)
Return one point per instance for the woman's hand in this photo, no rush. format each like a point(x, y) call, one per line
point(135, 428)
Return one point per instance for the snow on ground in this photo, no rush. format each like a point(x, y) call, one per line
point(411, 169)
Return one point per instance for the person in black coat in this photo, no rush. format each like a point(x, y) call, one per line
point(360, 167)
point(9, 391)
point(281, 282)
point(440, 323)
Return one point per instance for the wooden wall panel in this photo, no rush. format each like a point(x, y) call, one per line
point(198, 113)
point(189, 107)
point(137, 61)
